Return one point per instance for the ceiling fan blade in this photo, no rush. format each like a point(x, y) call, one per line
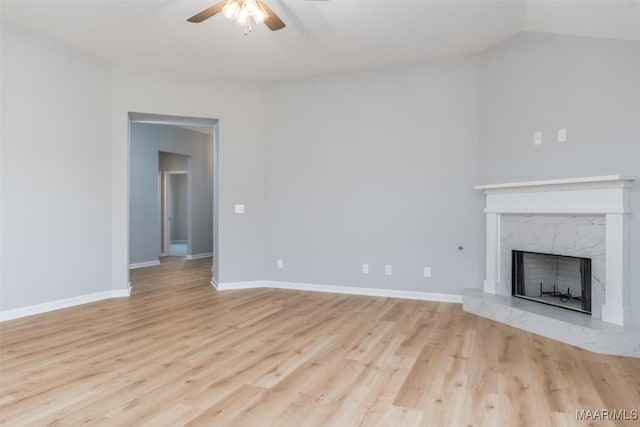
point(207, 13)
point(273, 21)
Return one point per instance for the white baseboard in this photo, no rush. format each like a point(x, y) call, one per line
point(232, 286)
point(17, 313)
point(144, 264)
point(198, 256)
point(214, 283)
point(351, 290)
point(120, 293)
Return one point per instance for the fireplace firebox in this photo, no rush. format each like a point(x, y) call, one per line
point(558, 280)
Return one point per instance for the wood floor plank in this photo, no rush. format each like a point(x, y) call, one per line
point(177, 352)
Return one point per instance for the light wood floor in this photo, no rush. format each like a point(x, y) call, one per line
point(177, 352)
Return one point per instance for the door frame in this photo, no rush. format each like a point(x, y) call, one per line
point(166, 199)
point(125, 116)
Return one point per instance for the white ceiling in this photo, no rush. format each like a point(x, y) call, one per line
point(320, 37)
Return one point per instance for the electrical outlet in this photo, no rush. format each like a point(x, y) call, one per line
point(427, 272)
point(562, 135)
point(280, 264)
point(365, 268)
point(239, 209)
point(387, 270)
point(537, 138)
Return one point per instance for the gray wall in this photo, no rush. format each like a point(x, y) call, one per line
point(146, 141)
point(239, 107)
point(376, 167)
point(55, 171)
point(541, 82)
point(64, 160)
point(171, 162)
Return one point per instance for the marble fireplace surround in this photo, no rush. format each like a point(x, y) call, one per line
point(580, 236)
point(585, 217)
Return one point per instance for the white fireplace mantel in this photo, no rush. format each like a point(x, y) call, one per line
point(603, 195)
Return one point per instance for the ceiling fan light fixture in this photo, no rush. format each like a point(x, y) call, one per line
point(231, 10)
point(251, 6)
point(244, 13)
point(243, 18)
point(260, 15)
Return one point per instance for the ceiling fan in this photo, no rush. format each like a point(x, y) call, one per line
point(244, 13)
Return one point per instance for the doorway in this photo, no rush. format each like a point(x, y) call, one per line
point(172, 189)
point(175, 213)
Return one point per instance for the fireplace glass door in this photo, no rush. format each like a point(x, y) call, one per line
point(557, 280)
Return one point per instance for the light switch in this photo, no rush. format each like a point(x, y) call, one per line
point(239, 209)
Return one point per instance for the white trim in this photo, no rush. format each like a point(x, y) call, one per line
point(59, 304)
point(350, 290)
point(165, 237)
point(144, 264)
point(160, 229)
point(232, 286)
point(591, 179)
point(550, 209)
point(121, 293)
point(199, 256)
point(166, 230)
point(214, 283)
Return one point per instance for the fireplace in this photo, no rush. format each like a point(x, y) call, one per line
point(584, 217)
point(561, 281)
